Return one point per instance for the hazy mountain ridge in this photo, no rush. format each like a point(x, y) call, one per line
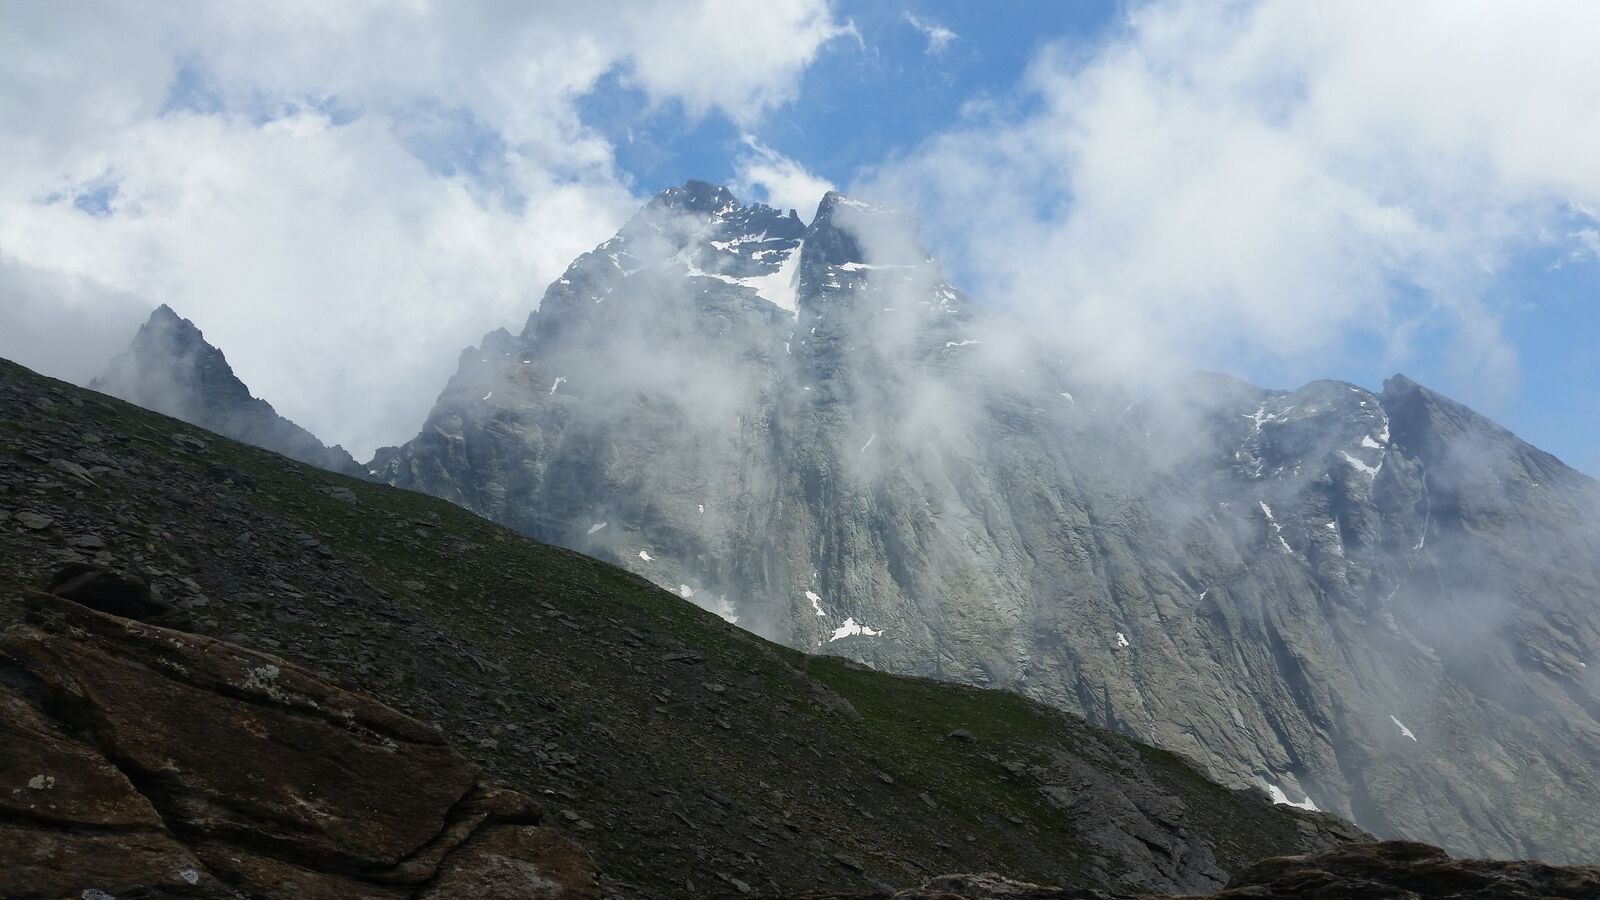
point(170, 368)
point(1282, 585)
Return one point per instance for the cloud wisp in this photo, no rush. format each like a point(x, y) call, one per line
point(766, 176)
point(939, 37)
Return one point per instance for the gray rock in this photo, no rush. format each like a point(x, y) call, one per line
point(1379, 603)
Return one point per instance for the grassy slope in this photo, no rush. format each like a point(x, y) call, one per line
point(566, 677)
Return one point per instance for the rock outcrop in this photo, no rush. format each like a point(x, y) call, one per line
point(170, 368)
point(1390, 870)
point(137, 760)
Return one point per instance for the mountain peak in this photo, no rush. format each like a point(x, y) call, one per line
point(696, 196)
point(846, 231)
point(164, 320)
point(833, 202)
point(170, 368)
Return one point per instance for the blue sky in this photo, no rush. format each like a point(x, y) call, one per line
point(1282, 189)
point(877, 98)
point(862, 101)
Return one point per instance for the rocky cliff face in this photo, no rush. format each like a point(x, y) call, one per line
point(1379, 604)
point(690, 757)
point(171, 369)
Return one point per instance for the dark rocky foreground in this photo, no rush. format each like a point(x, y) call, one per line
point(152, 762)
point(144, 761)
point(1390, 870)
point(689, 757)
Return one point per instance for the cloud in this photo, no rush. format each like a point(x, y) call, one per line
point(767, 176)
point(1586, 244)
point(724, 55)
point(1282, 182)
point(938, 37)
point(341, 196)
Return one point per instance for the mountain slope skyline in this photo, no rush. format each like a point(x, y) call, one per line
point(808, 430)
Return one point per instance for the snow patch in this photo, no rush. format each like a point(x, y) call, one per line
point(596, 527)
point(1403, 729)
point(1277, 530)
point(949, 344)
point(1282, 799)
point(1363, 468)
point(851, 628)
point(1068, 396)
point(645, 555)
point(816, 603)
point(1122, 640)
point(685, 592)
point(557, 383)
point(869, 442)
point(779, 287)
point(1369, 443)
point(486, 396)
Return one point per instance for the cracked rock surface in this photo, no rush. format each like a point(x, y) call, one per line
point(145, 761)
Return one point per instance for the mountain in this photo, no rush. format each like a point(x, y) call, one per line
point(1375, 603)
point(171, 369)
point(690, 757)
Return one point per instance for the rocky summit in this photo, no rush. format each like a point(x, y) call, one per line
point(230, 694)
point(170, 368)
point(1377, 603)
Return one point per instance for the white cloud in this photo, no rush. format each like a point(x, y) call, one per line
point(767, 176)
point(1587, 244)
point(730, 55)
point(1282, 179)
point(342, 196)
point(937, 36)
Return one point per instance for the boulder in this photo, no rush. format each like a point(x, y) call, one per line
point(109, 592)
